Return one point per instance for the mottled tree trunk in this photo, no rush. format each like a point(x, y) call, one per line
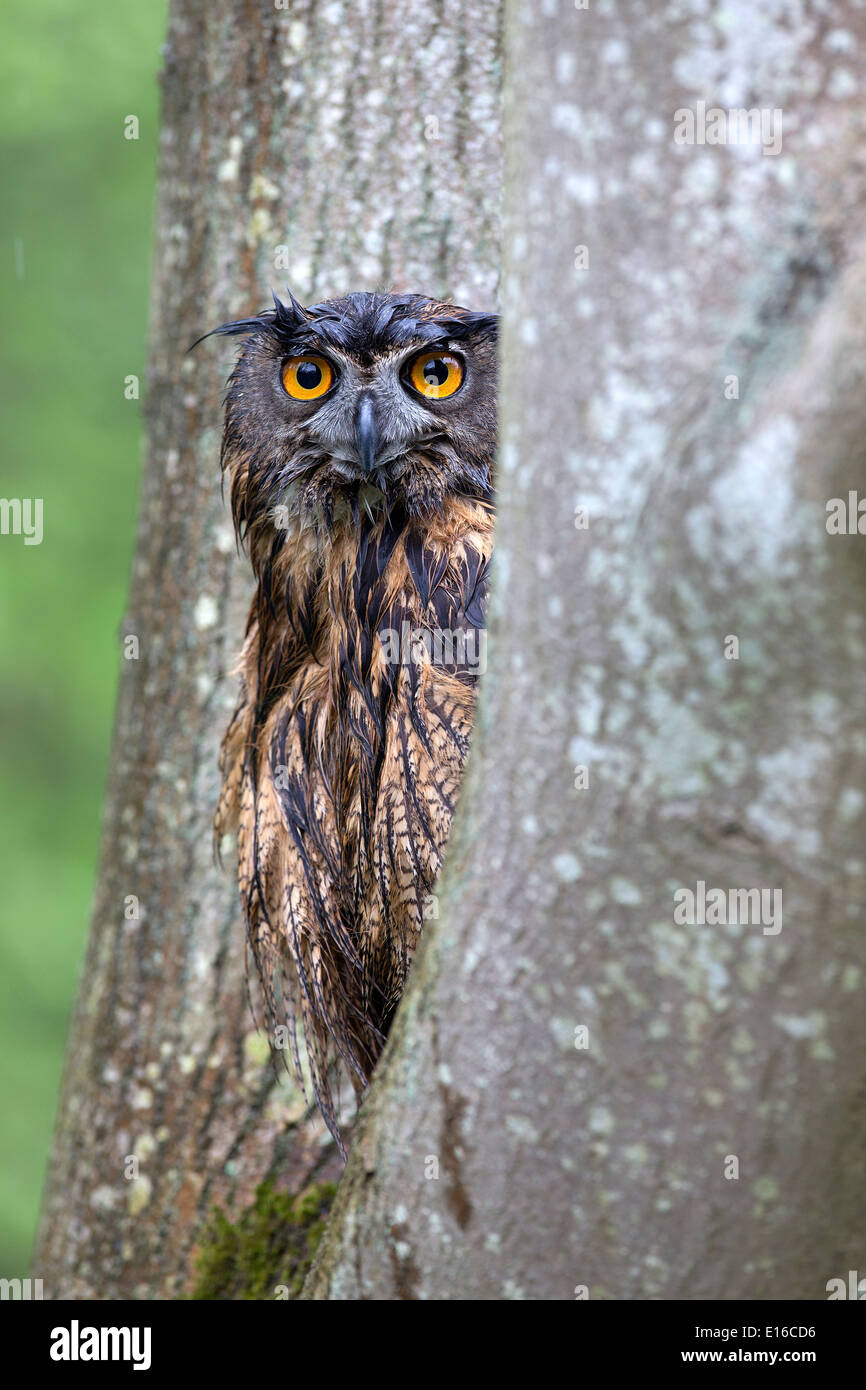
point(584, 1094)
point(333, 147)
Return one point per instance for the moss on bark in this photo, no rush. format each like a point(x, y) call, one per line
point(265, 1253)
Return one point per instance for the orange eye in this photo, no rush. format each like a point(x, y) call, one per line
point(307, 378)
point(436, 374)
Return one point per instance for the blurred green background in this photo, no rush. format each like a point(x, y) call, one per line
point(77, 211)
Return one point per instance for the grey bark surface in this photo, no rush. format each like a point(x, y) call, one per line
point(331, 147)
point(496, 1157)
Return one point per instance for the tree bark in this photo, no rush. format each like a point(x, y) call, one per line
point(703, 1138)
point(334, 147)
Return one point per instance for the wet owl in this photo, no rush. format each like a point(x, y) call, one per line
point(358, 446)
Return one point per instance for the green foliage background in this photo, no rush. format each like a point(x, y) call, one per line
point(78, 198)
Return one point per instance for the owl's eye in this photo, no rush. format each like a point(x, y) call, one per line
point(436, 374)
point(307, 378)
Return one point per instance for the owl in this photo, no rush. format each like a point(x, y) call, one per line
point(358, 446)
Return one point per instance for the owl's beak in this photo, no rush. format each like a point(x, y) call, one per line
point(367, 440)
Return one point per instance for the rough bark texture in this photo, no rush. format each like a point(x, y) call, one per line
point(333, 147)
point(496, 1156)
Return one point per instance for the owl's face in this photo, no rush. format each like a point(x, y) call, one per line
point(389, 397)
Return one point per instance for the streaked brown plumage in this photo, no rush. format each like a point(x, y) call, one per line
point(364, 509)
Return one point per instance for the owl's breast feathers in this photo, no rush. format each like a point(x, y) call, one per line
point(343, 761)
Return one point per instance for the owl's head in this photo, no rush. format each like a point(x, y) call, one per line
point(382, 396)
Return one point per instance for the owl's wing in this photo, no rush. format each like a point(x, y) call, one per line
point(437, 605)
point(427, 741)
point(290, 867)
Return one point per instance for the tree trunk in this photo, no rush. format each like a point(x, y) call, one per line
point(585, 1094)
point(333, 147)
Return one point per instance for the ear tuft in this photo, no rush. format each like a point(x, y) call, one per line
point(283, 317)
